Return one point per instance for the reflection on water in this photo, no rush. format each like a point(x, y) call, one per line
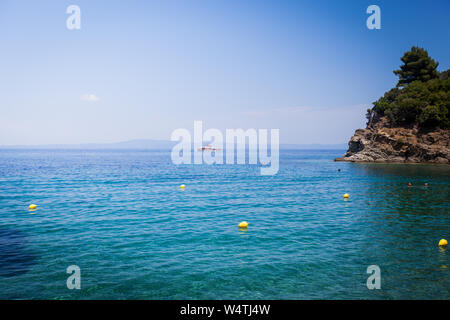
point(418, 172)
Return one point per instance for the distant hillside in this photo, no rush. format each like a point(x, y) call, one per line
point(131, 144)
point(148, 144)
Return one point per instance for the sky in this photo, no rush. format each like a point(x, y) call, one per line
point(141, 69)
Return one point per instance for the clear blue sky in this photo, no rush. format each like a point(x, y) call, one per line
point(140, 69)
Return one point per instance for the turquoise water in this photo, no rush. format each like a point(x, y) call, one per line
point(120, 216)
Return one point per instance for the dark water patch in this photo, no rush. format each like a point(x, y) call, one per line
point(15, 257)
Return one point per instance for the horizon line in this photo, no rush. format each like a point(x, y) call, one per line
point(128, 144)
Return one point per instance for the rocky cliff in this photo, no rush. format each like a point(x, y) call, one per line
point(382, 143)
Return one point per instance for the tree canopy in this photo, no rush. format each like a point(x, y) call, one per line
point(417, 65)
point(421, 97)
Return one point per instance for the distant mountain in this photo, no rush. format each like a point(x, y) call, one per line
point(131, 144)
point(339, 146)
point(148, 144)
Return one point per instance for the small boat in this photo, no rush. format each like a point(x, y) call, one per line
point(208, 147)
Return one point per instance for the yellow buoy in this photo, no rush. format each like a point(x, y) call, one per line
point(243, 224)
point(443, 243)
point(182, 186)
point(32, 206)
point(346, 195)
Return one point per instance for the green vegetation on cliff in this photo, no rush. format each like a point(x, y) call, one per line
point(422, 95)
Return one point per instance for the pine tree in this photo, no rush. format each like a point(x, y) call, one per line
point(417, 65)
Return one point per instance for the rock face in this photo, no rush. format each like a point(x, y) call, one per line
point(381, 143)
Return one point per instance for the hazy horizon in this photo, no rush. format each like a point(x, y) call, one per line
point(154, 144)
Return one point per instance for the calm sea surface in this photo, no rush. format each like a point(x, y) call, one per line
point(120, 216)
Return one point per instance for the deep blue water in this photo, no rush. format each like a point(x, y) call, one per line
point(120, 216)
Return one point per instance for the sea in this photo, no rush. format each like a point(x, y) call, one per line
point(120, 217)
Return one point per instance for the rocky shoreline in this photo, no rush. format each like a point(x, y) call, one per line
point(381, 143)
